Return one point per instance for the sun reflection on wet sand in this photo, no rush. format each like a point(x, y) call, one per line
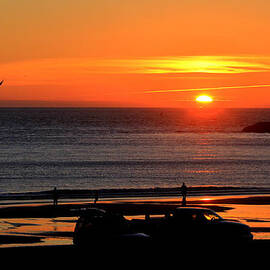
point(255, 216)
point(53, 231)
point(206, 199)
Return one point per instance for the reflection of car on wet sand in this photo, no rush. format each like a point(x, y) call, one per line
point(182, 224)
point(197, 224)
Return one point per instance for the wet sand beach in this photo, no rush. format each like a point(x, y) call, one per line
point(40, 225)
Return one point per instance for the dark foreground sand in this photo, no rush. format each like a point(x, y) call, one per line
point(139, 256)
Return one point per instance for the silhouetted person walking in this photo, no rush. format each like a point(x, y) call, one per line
point(55, 197)
point(183, 190)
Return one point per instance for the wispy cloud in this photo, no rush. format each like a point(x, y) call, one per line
point(210, 88)
point(189, 64)
point(57, 71)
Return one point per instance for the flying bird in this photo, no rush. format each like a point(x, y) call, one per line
point(1, 82)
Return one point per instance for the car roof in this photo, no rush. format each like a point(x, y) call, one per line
point(93, 212)
point(192, 209)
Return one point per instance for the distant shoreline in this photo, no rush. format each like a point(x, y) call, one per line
point(126, 193)
point(129, 206)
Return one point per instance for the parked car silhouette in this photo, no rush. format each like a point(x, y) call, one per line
point(183, 225)
point(197, 224)
point(96, 226)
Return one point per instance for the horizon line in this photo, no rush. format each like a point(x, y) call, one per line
point(126, 107)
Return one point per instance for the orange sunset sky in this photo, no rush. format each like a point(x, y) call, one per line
point(144, 53)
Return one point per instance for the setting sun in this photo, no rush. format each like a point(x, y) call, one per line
point(204, 99)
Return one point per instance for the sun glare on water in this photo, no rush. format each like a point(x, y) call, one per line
point(204, 99)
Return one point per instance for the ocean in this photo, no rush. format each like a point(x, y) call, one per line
point(130, 148)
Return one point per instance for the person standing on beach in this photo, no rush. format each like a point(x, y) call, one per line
point(183, 190)
point(55, 197)
point(96, 197)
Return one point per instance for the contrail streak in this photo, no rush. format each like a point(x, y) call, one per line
point(209, 88)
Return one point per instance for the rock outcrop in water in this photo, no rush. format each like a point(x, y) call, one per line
point(260, 127)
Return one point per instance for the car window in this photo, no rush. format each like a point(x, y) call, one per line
point(211, 216)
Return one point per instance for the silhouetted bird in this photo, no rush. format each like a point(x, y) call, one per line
point(1, 82)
